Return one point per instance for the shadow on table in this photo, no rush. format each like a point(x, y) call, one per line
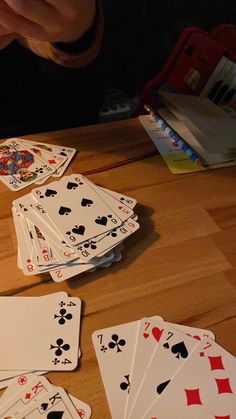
point(133, 247)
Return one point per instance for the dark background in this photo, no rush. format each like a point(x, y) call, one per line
point(140, 34)
point(38, 95)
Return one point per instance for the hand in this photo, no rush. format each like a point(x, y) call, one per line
point(49, 21)
point(5, 37)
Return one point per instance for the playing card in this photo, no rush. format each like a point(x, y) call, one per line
point(204, 388)
point(83, 409)
point(55, 404)
point(149, 334)
point(130, 202)
point(172, 351)
point(60, 151)
point(53, 159)
point(46, 332)
point(194, 332)
point(26, 206)
point(20, 167)
point(65, 272)
point(114, 349)
point(19, 401)
point(68, 202)
point(23, 382)
point(99, 245)
point(120, 209)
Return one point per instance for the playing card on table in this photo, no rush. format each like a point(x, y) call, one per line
point(52, 158)
point(130, 202)
point(149, 335)
point(20, 167)
point(172, 351)
point(204, 388)
point(24, 390)
point(68, 202)
point(55, 404)
point(46, 331)
point(114, 349)
point(15, 403)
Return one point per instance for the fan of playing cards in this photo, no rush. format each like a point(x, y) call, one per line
point(71, 226)
point(152, 369)
point(23, 162)
point(31, 397)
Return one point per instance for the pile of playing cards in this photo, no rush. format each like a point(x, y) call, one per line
point(152, 369)
point(31, 397)
point(39, 334)
point(71, 226)
point(23, 162)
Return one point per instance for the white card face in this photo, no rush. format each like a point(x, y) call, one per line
point(194, 332)
point(101, 244)
point(171, 353)
point(26, 206)
point(64, 152)
point(76, 209)
point(47, 332)
point(204, 388)
point(53, 159)
point(122, 210)
point(130, 202)
point(62, 273)
point(149, 334)
point(55, 404)
point(20, 167)
point(19, 401)
point(83, 409)
point(114, 349)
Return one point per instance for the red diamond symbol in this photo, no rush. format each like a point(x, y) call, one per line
point(28, 395)
point(28, 260)
point(202, 354)
point(52, 161)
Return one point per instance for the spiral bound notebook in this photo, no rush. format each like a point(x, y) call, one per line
point(176, 159)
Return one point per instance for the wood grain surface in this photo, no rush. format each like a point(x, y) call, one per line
point(180, 265)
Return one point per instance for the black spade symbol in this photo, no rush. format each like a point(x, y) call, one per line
point(86, 202)
point(50, 192)
point(44, 406)
point(64, 211)
point(166, 345)
point(79, 230)
point(72, 185)
point(180, 350)
point(55, 415)
point(101, 220)
point(162, 387)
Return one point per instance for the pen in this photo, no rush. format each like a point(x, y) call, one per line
point(173, 134)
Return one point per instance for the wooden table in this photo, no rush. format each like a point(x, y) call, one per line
point(179, 265)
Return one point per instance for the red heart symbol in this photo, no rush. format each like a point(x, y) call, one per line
point(157, 333)
point(145, 335)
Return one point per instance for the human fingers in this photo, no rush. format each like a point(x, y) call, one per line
point(5, 40)
point(37, 11)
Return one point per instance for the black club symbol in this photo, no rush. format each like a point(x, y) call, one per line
point(90, 244)
point(56, 361)
point(60, 347)
point(63, 316)
point(125, 385)
point(116, 343)
point(39, 170)
point(103, 348)
point(61, 304)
